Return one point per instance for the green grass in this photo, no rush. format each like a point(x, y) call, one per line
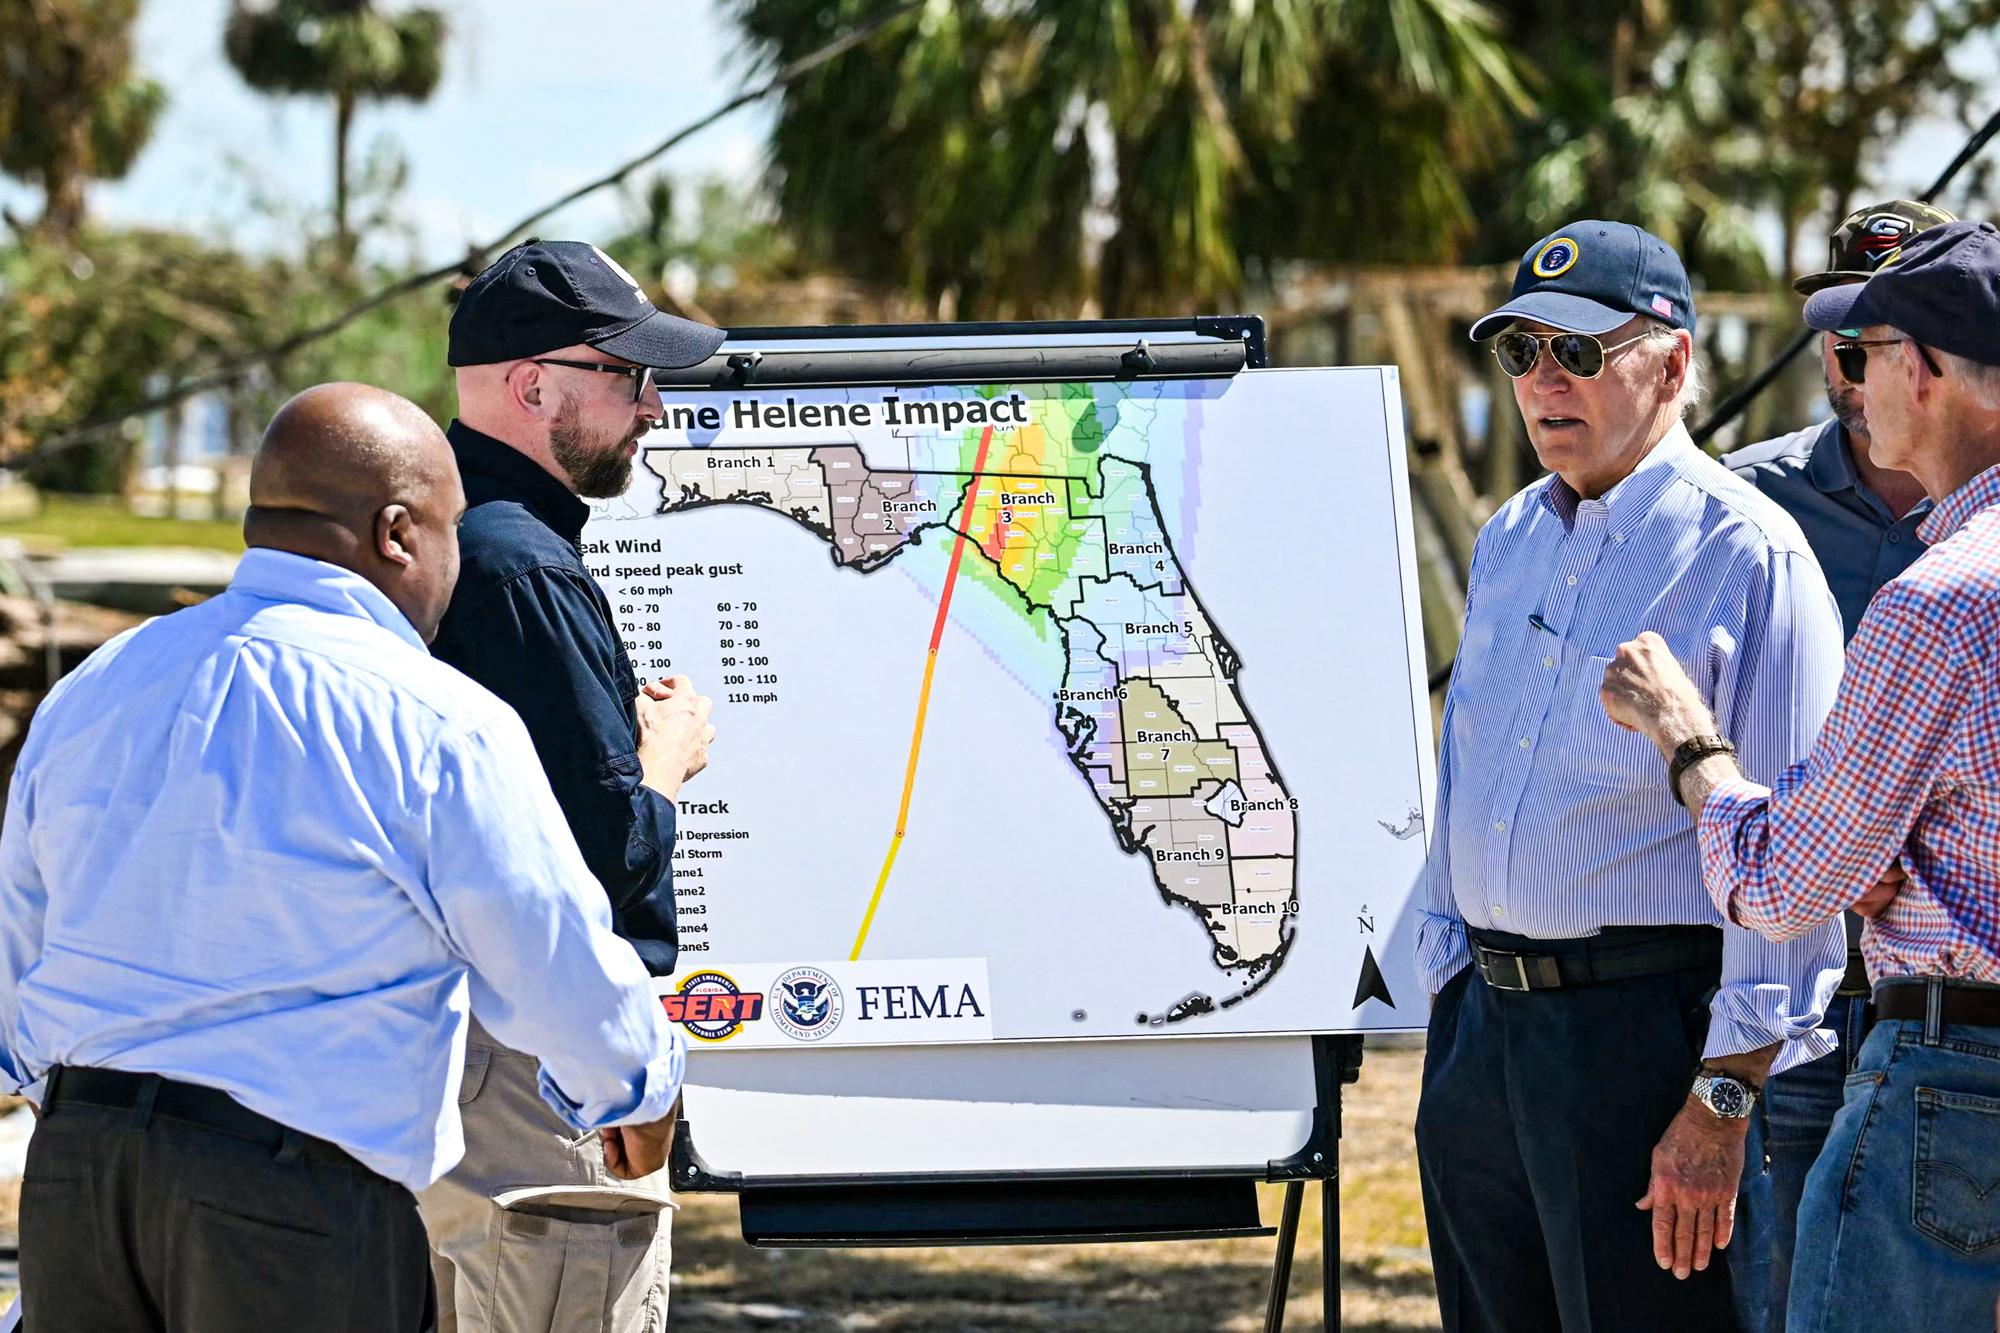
point(64, 520)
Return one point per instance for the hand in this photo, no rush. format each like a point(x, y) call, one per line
point(632, 1151)
point(674, 734)
point(1646, 691)
point(1697, 1169)
point(1876, 901)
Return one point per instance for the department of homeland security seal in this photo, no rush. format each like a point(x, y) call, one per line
point(1554, 259)
point(805, 1004)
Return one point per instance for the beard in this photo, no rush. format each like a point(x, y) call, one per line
point(595, 463)
point(1847, 405)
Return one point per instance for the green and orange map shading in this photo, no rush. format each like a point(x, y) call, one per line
point(1072, 535)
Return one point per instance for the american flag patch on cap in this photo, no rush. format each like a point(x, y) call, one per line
point(1662, 306)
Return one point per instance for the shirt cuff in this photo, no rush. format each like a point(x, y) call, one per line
point(1730, 803)
point(662, 1087)
point(1731, 1036)
point(1442, 951)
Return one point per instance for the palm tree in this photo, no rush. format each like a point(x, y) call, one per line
point(71, 108)
point(348, 50)
point(1007, 157)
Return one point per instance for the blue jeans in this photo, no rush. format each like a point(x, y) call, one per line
point(1797, 1114)
point(1900, 1226)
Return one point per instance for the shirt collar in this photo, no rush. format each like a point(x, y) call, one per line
point(284, 577)
point(1830, 465)
point(1956, 510)
point(1630, 499)
point(519, 477)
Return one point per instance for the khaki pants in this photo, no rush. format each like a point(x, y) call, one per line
point(530, 1233)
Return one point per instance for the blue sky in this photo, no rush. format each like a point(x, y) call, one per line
point(536, 98)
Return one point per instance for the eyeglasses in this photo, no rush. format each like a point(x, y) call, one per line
point(1580, 354)
point(641, 376)
point(1851, 355)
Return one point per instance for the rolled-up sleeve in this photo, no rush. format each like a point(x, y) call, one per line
point(1784, 859)
point(547, 976)
point(1773, 693)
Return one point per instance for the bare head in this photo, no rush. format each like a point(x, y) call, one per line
point(583, 426)
point(363, 479)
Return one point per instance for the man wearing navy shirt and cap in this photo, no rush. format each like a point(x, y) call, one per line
point(1863, 523)
point(554, 347)
point(1599, 1033)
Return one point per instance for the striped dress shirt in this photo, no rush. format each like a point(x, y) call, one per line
point(1552, 821)
point(1908, 766)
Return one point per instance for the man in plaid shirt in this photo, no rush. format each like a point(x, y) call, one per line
point(1902, 793)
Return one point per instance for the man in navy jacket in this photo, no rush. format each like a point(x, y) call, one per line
point(554, 348)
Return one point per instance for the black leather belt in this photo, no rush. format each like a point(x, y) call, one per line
point(189, 1103)
point(1962, 1002)
point(1617, 953)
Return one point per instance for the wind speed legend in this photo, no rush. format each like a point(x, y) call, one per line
point(749, 676)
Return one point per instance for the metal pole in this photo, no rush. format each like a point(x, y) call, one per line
point(1329, 1251)
point(1281, 1269)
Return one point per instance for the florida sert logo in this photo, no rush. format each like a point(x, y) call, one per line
point(806, 1003)
point(1554, 258)
point(711, 1006)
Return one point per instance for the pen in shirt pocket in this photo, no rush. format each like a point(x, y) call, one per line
point(1535, 621)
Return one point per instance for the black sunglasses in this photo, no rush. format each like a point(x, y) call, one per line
point(1580, 354)
point(641, 376)
point(1851, 355)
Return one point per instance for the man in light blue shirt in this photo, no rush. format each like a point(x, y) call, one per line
point(1598, 1031)
point(260, 860)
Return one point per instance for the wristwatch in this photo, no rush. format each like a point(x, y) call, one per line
point(1726, 1098)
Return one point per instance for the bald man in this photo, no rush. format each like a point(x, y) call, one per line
point(261, 859)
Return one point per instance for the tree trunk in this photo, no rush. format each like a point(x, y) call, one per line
point(343, 126)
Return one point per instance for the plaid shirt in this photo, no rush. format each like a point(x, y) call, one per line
point(1907, 766)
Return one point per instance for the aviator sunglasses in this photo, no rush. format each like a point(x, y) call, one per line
point(1850, 353)
point(1579, 354)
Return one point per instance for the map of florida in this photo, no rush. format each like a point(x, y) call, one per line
point(1149, 708)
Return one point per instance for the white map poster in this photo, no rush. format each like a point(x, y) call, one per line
point(1045, 711)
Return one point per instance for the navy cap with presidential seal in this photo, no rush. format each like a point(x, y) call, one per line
point(1943, 290)
point(542, 295)
point(1591, 276)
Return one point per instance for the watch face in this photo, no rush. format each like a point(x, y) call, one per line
point(1727, 1098)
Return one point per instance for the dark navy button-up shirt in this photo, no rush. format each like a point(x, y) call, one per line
point(1859, 544)
point(529, 623)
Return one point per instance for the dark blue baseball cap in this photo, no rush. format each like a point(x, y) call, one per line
point(1590, 277)
point(1943, 290)
point(542, 295)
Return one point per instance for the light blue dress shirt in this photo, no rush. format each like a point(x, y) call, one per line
point(269, 845)
point(1552, 821)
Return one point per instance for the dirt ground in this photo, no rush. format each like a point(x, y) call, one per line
point(722, 1285)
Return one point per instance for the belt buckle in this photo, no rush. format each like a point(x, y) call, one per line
point(1520, 970)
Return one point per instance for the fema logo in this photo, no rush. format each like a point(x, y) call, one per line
point(711, 1006)
point(807, 1003)
point(1554, 259)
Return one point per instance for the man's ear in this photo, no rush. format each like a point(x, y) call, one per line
point(529, 388)
point(395, 535)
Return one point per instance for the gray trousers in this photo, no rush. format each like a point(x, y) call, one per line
point(530, 1233)
point(154, 1225)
